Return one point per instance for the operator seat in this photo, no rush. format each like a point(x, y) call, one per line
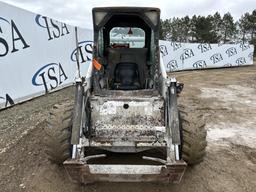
point(126, 76)
point(127, 68)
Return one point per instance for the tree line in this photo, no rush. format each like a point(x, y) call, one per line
point(210, 29)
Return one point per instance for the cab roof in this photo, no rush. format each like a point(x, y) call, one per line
point(125, 9)
point(101, 15)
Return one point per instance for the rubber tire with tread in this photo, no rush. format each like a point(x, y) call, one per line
point(58, 133)
point(193, 137)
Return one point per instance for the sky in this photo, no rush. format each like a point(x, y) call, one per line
point(78, 12)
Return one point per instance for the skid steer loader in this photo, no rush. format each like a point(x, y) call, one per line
point(125, 124)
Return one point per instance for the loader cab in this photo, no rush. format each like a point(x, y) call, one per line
point(126, 45)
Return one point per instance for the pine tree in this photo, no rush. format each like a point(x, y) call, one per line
point(244, 26)
point(228, 27)
point(185, 28)
point(252, 24)
point(192, 33)
point(217, 23)
point(204, 30)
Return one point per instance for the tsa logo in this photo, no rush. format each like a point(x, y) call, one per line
point(176, 45)
point(172, 65)
point(231, 51)
point(12, 39)
point(7, 100)
point(241, 61)
point(204, 47)
point(85, 49)
point(217, 57)
point(55, 29)
point(244, 46)
point(50, 76)
point(163, 50)
point(199, 64)
point(188, 53)
point(251, 55)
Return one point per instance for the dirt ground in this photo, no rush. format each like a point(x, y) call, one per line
point(227, 97)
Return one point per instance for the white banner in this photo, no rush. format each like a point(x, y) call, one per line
point(184, 56)
point(37, 54)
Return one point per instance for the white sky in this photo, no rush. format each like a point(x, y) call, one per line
point(78, 12)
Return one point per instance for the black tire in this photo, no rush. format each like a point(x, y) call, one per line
point(193, 137)
point(58, 133)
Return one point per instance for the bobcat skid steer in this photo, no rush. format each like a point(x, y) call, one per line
point(125, 124)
